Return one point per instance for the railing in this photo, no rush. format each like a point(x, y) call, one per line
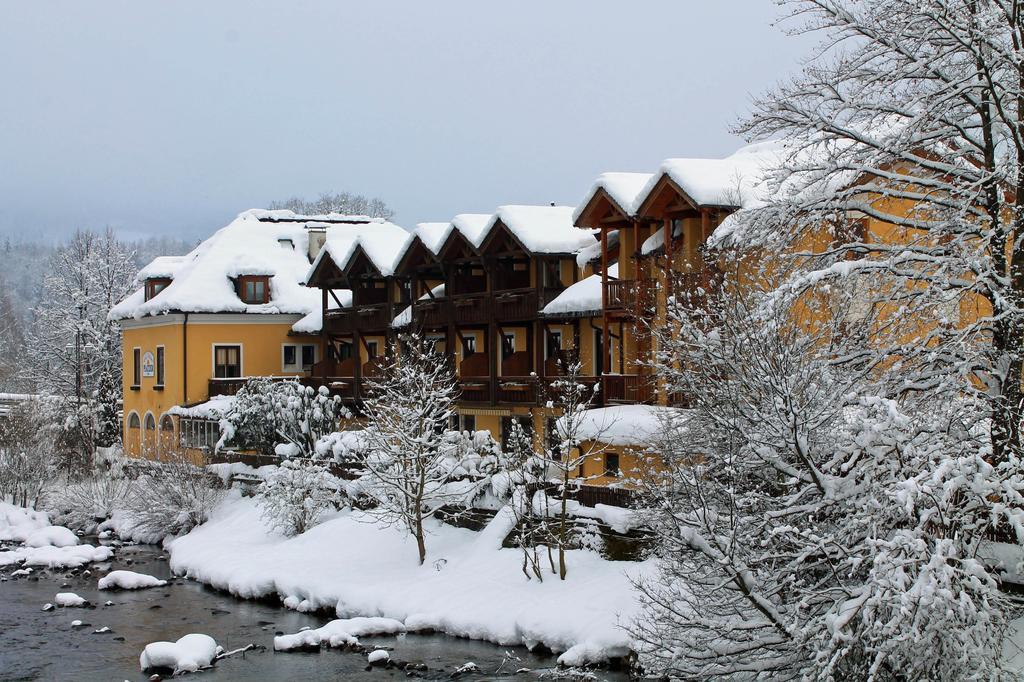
point(225, 386)
point(628, 294)
point(474, 309)
point(517, 390)
point(475, 390)
point(431, 312)
point(626, 388)
point(340, 321)
point(373, 317)
point(516, 305)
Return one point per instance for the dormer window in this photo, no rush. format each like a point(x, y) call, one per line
point(254, 289)
point(154, 285)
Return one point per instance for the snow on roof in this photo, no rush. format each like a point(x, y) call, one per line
point(625, 425)
point(657, 240)
point(433, 235)
point(736, 181)
point(541, 229)
point(404, 318)
point(214, 408)
point(592, 253)
point(623, 188)
point(284, 215)
point(383, 243)
point(248, 245)
point(313, 323)
point(472, 226)
point(162, 267)
point(582, 297)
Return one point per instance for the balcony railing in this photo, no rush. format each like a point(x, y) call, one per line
point(629, 294)
point(431, 313)
point(475, 390)
point(472, 309)
point(626, 388)
point(517, 390)
point(340, 321)
point(374, 317)
point(520, 304)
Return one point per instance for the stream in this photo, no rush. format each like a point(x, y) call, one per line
point(42, 645)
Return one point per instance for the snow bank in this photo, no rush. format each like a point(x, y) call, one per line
point(68, 599)
point(18, 523)
point(188, 654)
point(129, 580)
point(52, 536)
point(468, 587)
point(55, 557)
point(337, 633)
point(623, 425)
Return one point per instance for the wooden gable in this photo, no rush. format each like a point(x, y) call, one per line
point(416, 257)
point(601, 210)
point(501, 240)
point(666, 199)
point(360, 265)
point(327, 274)
point(455, 247)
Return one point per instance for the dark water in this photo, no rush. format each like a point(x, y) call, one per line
point(38, 645)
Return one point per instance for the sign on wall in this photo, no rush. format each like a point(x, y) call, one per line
point(148, 365)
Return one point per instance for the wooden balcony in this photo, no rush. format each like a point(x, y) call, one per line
point(475, 390)
point(471, 309)
point(340, 322)
point(431, 313)
point(517, 390)
point(375, 317)
point(629, 295)
point(225, 386)
point(626, 389)
point(520, 304)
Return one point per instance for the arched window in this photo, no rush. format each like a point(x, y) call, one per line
point(166, 423)
point(133, 421)
point(150, 421)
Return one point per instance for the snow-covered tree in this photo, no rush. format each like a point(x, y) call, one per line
point(408, 463)
point(912, 104)
point(528, 502)
point(336, 202)
point(281, 417)
point(575, 441)
point(28, 461)
point(75, 344)
point(296, 494)
point(12, 343)
point(814, 520)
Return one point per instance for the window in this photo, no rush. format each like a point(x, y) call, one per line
point(227, 362)
point(199, 433)
point(254, 288)
point(150, 422)
point(598, 353)
point(286, 243)
point(552, 275)
point(526, 423)
point(469, 422)
point(159, 365)
point(371, 349)
point(155, 285)
point(468, 346)
point(133, 421)
point(611, 464)
point(308, 356)
point(553, 348)
point(289, 356)
point(343, 351)
point(136, 367)
point(508, 345)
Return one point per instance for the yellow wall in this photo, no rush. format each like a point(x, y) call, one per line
point(262, 355)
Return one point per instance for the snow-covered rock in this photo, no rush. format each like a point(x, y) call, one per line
point(55, 557)
point(18, 523)
point(337, 633)
point(69, 599)
point(129, 580)
point(52, 536)
point(188, 654)
point(378, 657)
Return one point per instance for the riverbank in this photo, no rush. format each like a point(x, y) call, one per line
point(469, 586)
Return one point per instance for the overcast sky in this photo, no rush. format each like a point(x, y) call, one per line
point(171, 117)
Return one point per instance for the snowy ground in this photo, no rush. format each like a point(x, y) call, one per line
point(42, 544)
point(468, 587)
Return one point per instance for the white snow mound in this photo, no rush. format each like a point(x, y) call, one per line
point(188, 654)
point(338, 633)
point(52, 536)
point(68, 599)
point(129, 580)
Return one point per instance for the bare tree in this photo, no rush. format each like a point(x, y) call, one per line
point(408, 410)
point(336, 202)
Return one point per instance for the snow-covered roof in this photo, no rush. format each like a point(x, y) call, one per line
point(313, 323)
point(626, 425)
point(622, 188)
point(737, 181)
point(472, 226)
point(433, 235)
point(580, 298)
point(592, 253)
point(161, 267)
point(383, 243)
point(541, 229)
point(214, 408)
point(201, 281)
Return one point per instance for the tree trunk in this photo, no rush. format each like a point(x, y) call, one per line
point(562, 526)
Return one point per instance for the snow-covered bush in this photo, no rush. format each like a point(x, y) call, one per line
point(268, 413)
point(85, 504)
point(815, 518)
point(28, 461)
point(171, 497)
point(294, 496)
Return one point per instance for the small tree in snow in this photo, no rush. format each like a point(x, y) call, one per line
point(295, 495)
point(528, 502)
point(28, 463)
point(408, 410)
point(575, 441)
point(268, 413)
